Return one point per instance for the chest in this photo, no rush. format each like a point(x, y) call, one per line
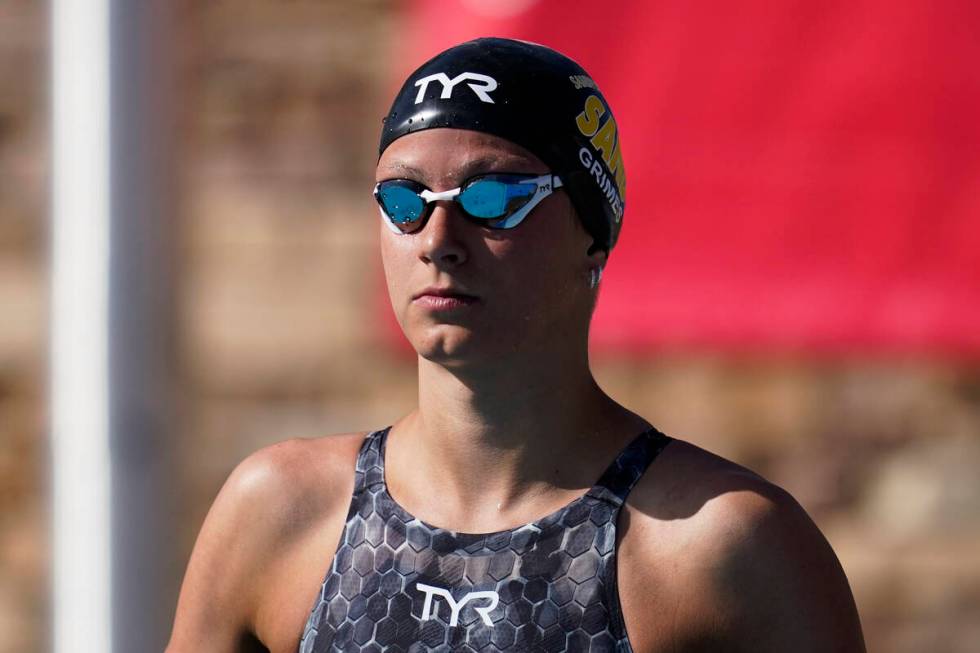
point(396, 583)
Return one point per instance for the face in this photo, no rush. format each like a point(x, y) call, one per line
point(464, 293)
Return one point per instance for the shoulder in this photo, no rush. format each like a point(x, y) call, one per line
point(692, 489)
point(737, 557)
point(285, 481)
point(280, 491)
point(272, 503)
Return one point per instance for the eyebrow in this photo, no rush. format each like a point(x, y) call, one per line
point(494, 164)
point(407, 168)
point(469, 168)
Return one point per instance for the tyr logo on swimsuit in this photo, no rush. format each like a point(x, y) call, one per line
point(428, 612)
point(482, 89)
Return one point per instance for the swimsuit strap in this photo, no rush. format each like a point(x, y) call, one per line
point(614, 485)
point(370, 468)
point(619, 478)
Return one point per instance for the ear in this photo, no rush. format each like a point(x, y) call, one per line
point(597, 256)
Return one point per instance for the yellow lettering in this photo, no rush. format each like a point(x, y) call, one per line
point(621, 182)
point(616, 167)
point(605, 140)
point(588, 120)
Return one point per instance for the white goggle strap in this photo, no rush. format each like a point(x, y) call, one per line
point(546, 185)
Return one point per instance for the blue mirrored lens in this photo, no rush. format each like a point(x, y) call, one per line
point(401, 204)
point(489, 198)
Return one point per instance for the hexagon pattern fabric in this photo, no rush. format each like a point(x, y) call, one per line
point(397, 584)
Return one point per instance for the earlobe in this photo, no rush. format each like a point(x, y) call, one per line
point(595, 276)
point(597, 261)
point(597, 254)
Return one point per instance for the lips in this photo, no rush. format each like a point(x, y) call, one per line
point(444, 298)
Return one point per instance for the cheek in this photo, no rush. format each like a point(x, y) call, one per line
point(541, 280)
point(550, 256)
point(394, 259)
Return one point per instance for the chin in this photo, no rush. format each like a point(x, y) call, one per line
point(442, 344)
point(452, 346)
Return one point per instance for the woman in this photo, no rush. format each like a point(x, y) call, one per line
point(477, 522)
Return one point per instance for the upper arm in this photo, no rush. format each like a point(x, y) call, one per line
point(713, 557)
point(214, 611)
point(779, 579)
point(269, 502)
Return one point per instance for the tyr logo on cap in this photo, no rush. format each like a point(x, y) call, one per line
point(482, 90)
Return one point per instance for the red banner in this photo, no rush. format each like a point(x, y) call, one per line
point(800, 175)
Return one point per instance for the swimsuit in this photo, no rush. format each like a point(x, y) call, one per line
point(398, 584)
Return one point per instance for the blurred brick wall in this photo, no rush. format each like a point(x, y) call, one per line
point(23, 133)
point(278, 271)
point(278, 319)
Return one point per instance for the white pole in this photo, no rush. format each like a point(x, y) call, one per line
point(114, 584)
point(79, 374)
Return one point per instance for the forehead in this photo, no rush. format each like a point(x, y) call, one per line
point(449, 156)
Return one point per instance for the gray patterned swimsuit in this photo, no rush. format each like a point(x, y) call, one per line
point(399, 584)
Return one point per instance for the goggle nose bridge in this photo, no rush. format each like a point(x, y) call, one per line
point(430, 196)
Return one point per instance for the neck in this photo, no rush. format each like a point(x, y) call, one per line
point(509, 407)
point(496, 439)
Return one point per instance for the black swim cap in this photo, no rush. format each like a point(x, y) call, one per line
point(533, 96)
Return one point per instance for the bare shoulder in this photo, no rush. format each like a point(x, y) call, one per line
point(283, 490)
point(274, 505)
point(740, 563)
point(286, 481)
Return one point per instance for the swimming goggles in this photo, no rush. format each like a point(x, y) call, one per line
point(497, 201)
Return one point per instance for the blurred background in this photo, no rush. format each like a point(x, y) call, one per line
point(797, 285)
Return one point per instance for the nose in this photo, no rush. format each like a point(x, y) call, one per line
point(441, 242)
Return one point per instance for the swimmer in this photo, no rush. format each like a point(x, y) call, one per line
point(518, 507)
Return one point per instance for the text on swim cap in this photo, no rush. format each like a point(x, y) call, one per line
point(582, 81)
point(604, 139)
point(607, 187)
point(482, 89)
